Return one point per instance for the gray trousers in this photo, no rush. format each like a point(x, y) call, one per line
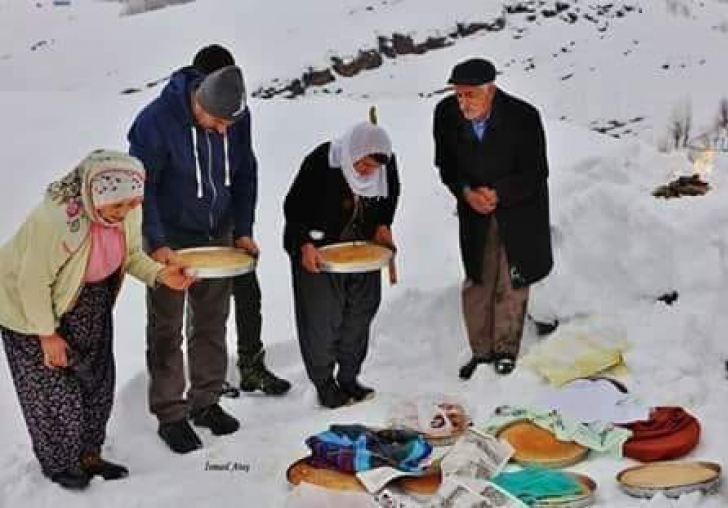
point(208, 304)
point(494, 311)
point(333, 316)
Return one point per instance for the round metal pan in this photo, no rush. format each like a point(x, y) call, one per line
point(671, 488)
point(301, 470)
point(576, 454)
point(219, 272)
point(355, 267)
point(583, 500)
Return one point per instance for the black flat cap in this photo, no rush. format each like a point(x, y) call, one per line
point(474, 72)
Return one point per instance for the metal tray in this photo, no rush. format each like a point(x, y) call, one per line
point(221, 272)
point(356, 267)
point(671, 491)
point(587, 498)
point(422, 486)
point(579, 454)
point(302, 471)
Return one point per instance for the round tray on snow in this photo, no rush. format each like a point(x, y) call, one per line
point(672, 479)
point(582, 500)
point(538, 447)
point(354, 257)
point(303, 471)
point(216, 262)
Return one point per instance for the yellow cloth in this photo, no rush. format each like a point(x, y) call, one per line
point(564, 358)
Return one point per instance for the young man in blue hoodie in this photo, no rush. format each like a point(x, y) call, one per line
point(201, 190)
point(254, 374)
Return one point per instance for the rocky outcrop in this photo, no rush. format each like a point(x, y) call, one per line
point(394, 46)
point(519, 14)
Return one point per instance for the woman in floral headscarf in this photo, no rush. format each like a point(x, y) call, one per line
point(59, 277)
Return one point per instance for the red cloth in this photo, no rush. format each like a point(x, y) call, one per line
point(671, 432)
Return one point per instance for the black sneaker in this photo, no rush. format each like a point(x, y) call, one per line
point(73, 479)
point(331, 396)
point(254, 375)
point(356, 391)
point(216, 419)
point(467, 370)
point(93, 465)
point(179, 436)
point(545, 328)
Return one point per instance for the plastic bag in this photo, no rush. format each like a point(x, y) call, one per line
point(434, 415)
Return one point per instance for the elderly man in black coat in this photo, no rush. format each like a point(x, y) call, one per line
point(490, 150)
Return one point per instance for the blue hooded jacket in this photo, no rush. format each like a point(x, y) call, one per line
point(199, 183)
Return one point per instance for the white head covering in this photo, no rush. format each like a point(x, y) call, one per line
point(115, 185)
point(111, 179)
point(82, 190)
point(358, 142)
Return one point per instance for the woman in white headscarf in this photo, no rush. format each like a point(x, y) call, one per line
point(346, 189)
point(59, 277)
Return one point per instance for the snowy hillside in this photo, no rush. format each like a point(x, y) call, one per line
point(618, 249)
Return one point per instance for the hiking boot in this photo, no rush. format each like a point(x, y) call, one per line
point(467, 370)
point(216, 419)
point(73, 479)
point(254, 375)
point(229, 391)
point(93, 465)
point(356, 391)
point(331, 396)
point(179, 436)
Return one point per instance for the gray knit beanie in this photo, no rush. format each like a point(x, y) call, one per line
point(222, 93)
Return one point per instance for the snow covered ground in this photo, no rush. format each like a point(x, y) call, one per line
point(617, 248)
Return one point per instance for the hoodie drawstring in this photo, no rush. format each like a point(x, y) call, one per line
point(227, 160)
point(198, 171)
